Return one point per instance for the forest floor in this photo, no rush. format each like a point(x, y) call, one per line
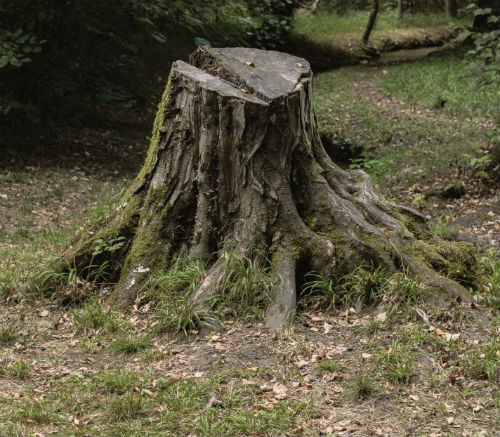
point(73, 370)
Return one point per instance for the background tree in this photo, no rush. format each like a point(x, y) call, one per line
point(371, 22)
point(451, 8)
point(400, 9)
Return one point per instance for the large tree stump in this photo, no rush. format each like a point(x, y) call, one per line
point(235, 154)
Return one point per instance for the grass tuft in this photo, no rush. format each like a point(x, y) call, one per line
point(247, 288)
point(95, 315)
point(8, 336)
point(361, 386)
point(117, 381)
point(397, 362)
point(128, 406)
point(330, 365)
point(130, 344)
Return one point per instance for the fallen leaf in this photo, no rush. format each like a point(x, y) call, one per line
point(302, 363)
point(44, 313)
point(280, 391)
point(365, 356)
point(440, 332)
point(327, 327)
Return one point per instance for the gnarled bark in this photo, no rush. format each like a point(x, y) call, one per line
point(235, 154)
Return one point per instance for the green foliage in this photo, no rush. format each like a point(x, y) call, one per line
point(182, 277)
point(443, 230)
point(16, 47)
point(36, 411)
point(321, 26)
point(19, 369)
point(72, 282)
point(363, 285)
point(376, 167)
point(100, 53)
point(485, 57)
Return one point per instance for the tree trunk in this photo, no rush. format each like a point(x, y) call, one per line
point(235, 155)
point(371, 22)
point(400, 10)
point(451, 8)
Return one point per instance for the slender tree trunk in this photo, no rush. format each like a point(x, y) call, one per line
point(314, 6)
point(400, 10)
point(371, 22)
point(450, 8)
point(236, 156)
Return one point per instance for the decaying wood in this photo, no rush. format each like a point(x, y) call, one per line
point(236, 156)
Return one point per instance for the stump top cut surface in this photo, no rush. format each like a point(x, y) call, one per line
point(265, 73)
point(212, 83)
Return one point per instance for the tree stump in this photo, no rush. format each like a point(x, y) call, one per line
point(236, 155)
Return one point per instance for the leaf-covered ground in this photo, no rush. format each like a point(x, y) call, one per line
point(381, 370)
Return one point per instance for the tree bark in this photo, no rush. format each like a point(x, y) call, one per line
point(451, 8)
point(400, 10)
point(371, 22)
point(235, 155)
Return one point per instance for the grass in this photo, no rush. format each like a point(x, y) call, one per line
point(402, 146)
point(485, 362)
point(442, 77)
point(39, 412)
point(330, 365)
point(444, 230)
point(363, 285)
point(94, 314)
point(172, 291)
point(182, 277)
point(325, 24)
point(127, 407)
point(181, 314)
point(8, 335)
point(246, 289)
point(397, 363)
point(342, 33)
point(19, 369)
point(317, 283)
point(490, 292)
point(130, 344)
point(361, 386)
